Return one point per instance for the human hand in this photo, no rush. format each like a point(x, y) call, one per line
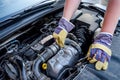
point(100, 51)
point(61, 31)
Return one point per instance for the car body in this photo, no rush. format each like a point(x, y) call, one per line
point(28, 50)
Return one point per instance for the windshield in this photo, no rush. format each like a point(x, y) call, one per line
point(10, 6)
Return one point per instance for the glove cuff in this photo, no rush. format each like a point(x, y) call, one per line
point(65, 24)
point(104, 38)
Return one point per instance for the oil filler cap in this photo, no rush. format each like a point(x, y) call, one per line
point(44, 66)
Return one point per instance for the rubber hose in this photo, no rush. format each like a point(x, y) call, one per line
point(21, 67)
point(2, 75)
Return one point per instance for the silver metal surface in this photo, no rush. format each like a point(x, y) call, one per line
point(64, 58)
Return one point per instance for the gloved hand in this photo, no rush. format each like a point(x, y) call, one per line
point(100, 52)
point(62, 30)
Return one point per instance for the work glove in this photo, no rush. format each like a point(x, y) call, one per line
point(62, 30)
point(100, 52)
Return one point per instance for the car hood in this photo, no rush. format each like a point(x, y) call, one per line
point(8, 7)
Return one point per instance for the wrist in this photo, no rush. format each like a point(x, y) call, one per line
point(104, 38)
point(66, 24)
point(67, 18)
point(107, 33)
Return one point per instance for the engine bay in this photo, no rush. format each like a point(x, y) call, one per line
point(34, 55)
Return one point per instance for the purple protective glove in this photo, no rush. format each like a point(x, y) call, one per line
point(106, 40)
point(100, 52)
point(64, 25)
point(62, 30)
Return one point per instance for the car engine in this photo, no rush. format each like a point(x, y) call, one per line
point(34, 55)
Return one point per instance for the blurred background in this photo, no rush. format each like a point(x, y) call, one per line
point(11, 6)
point(103, 2)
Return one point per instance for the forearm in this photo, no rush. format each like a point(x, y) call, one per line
point(111, 16)
point(70, 7)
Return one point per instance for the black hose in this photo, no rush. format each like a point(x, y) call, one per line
point(81, 34)
point(84, 38)
point(72, 37)
point(2, 75)
point(36, 65)
point(21, 67)
point(38, 74)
